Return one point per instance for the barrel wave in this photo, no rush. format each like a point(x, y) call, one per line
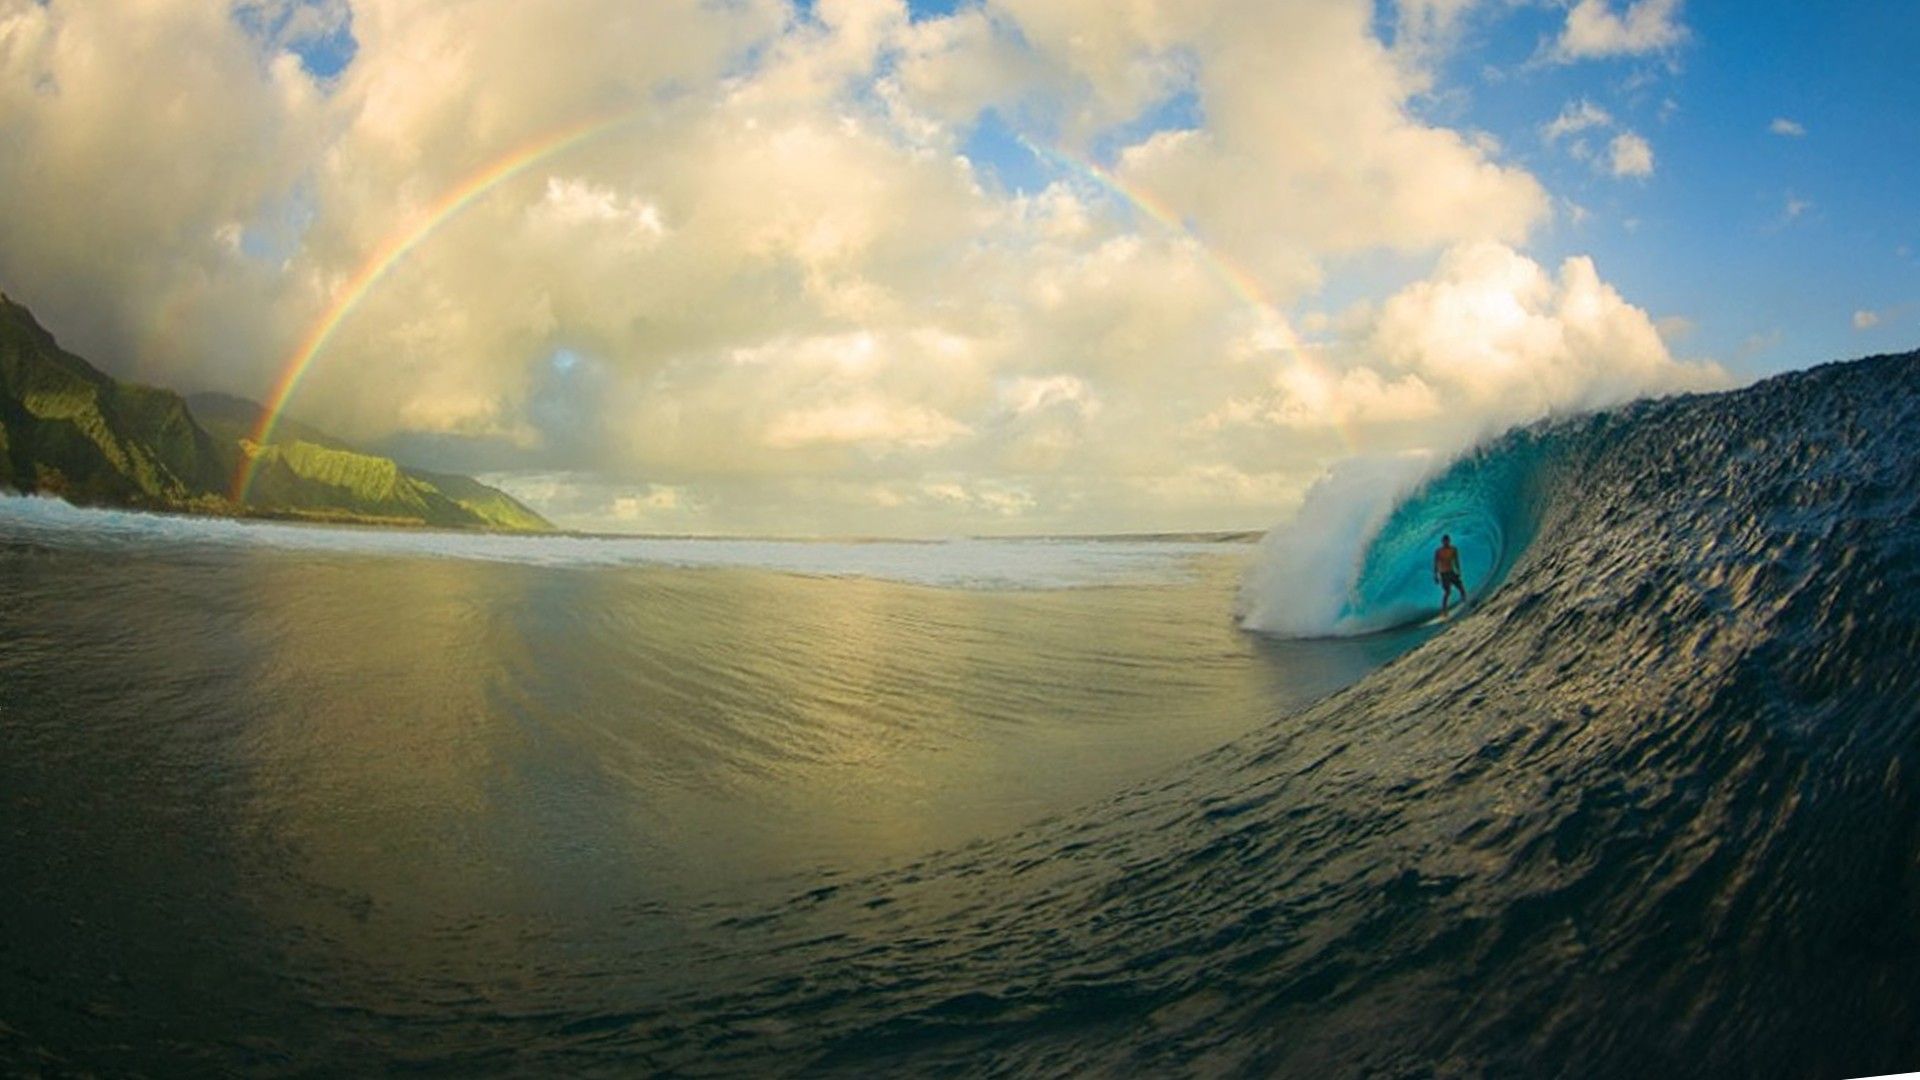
point(1358, 558)
point(1649, 807)
point(1484, 503)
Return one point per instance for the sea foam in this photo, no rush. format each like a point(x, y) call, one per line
point(977, 563)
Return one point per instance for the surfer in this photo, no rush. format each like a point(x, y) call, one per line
point(1446, 572)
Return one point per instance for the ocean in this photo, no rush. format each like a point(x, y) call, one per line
point(295, 800)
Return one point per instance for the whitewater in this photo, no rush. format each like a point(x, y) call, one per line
point(960, 562)
point(286, 800)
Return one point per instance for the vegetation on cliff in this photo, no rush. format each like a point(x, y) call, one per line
point(68, 429)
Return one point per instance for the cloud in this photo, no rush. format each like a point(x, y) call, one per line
point(787, 290)
point(1792, 129)
point(1425, 25)
point(864, 421)
point(1490, 339)
point(955, 67)
point(1865, 319)
point(1594, 30)
point(1507, 339)
point(1629, 155)
point(1576, 117)
point(1675, 328)
point(130, 180)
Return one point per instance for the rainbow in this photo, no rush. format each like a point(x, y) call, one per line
point(395, 248)
point(1238, 280)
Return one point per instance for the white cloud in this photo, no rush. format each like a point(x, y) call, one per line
point(955, 67)
point(108, 227)
point(1429, 24)
point(1595, 30)
point(1675, 329)
point(1490, 339)
point(574, 203)
point(655, 500)
point(1792, 129)
point(1503, 335)
point(1576, 117)
point(866, 421)
point(790, 302)
point(1027, 394)
point(1865, 319)
point(1629, 155)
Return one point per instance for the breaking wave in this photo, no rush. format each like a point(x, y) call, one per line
point(958, 563)
point(1358, 557)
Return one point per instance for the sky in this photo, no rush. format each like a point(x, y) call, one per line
point(993, 266)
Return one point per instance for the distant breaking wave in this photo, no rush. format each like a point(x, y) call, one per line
point(960, 563)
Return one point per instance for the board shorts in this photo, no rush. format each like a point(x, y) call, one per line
point(1452, 578)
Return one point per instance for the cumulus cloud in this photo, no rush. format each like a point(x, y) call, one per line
point(1491, 338)
point(1595, 30)
point(739, 271)
point(1675, 328)
point(132, 181)
point(1422, 25)
point(1493, 326)
point(1578, 116)
point(1791, 129)
point(1629, 155)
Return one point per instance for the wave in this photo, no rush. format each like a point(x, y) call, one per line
point(1648, 808)
point(1358, 556)
point(1038, 563)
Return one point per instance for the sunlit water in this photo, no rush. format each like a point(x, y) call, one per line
point(261, 773)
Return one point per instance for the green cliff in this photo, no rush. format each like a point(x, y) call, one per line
point(71, 431)
point(307, 472)
point(67, 429)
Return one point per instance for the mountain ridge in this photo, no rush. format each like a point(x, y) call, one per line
point(70, 430)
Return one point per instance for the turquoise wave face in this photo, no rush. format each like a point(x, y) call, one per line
point(1488, 502)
